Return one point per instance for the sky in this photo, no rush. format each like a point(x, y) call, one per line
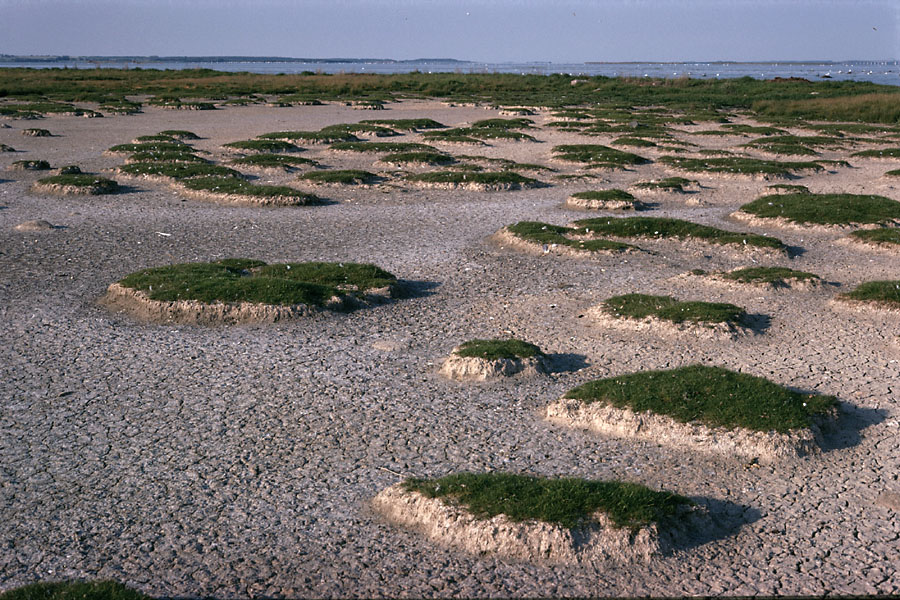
point(485, 30)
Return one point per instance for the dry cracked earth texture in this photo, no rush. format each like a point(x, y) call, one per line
point(240, 461)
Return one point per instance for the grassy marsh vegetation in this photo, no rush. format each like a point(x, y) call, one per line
point(502, 179)
point(73, 590)
point(85, 182)
point(886, 236)
point(281, 161)
point(239, 187)
point(341, 176)
point(777, 275)
point(667, 308)
point(713, 396)
point(267, 146)
point(661, 227)
point(739, 165)
point(885, 293)
point(825, 209)
point(177, 170)
point(565, 502)
point(548, 235)
point(594, 155)
point(497, 349)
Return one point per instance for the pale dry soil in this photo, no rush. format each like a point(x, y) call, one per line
point(241, 461)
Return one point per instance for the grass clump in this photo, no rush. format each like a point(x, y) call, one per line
point(406, 124)
point(794, 144)
point(268, 146)
point(641, 306)
point(504, 164)
point(73, 590)
point(310, 137)
point(165, 157)
point(777, 275)
point(69, 170)
point(634, 142)
point(342, 176)
point(753, 130)
point(565, 502)
point(180, 134)
point(549, 235)
point(879, 153)
point(158, 137)
point(595, 155)
point(825, 209)
point(613, 194)
point(485, 178)
point(392, 147)
point(239, 187)
point(739, 165)
point(425, 158)
point(886, 293)
point(669, 184)
point(244, 280)
point(497, 349)
point(478, 133)
point(273, 161)
point(789, 188)
point(31, 165)
point(178, 170)
point(503, 124)
point(885, 236)
point(170, 146)
point(91, 184)
point(661, 227)
point(713, 396)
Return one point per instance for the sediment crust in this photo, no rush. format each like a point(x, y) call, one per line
point(465, 368)
point(529, 540)
point(743, 444)
point(756, 221)
point(713, 331)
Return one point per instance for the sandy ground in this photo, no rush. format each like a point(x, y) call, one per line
point(241, 461)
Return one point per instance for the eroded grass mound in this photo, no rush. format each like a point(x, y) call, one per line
point(882, 237)
point(713, 396)
point(825, 209)
point(272, 161)
point(566, 502)
point(661, 227)
point(641, 306)
point(246, 280)
point(176, 170)
point(233, 187)
point(883, 293)
point(739, 165)
point(594, 155)
point(82, 183)
point(341, 176)
point(267, 146)
point(496, 349)
point(485, 180)
point(73, 590)
point(545, 234)
point(776, 275)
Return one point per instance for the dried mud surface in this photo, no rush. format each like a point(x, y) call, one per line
point(242, 461)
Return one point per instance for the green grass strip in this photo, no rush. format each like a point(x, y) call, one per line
point(497, 349)
point(877, 292)
point(641, 306)
point(406, 124)
point(178, 170)
point(880, 153)
point(767, 275)
point(713, 396)
point(393, 147)
point(886, 236)
point(739, 165)
point(73, 590)
point(239, 187)
point(661, 227)
point(263, 146)
point(425, 158)
point(547, 234)
point(95, 183)
point(613, 194)
point(483, 178)
point(597, 155)
point(825, 209)
point(566, 502)
point(272, 160)
point(344, 176)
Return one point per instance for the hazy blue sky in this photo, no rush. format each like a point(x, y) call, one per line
point(485, 30)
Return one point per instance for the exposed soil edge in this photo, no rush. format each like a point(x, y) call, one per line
point(476, 187)
point(67, 190)
point(466, 368)
point(745, 444)
point(711, 331)
point(530, 540)
point(506, 239)
point(782, 222)
point(863, 306)
point(244, 200)
point(587, 204)
point(784, 285)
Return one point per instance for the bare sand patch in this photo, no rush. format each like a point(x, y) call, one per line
point(743, 444)
point(529, 540)
point(465, 368)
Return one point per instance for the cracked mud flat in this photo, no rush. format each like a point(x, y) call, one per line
point(241, 461)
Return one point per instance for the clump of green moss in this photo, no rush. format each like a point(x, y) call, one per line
point(641, 306)
point(825, 209)
point(594, 155)
point(502, 179)
point(497, 349)
point(272, 161)
point(341, 176)
point(661, 227)
point(406, 124)
point(547, 235)
point(245, 280)
point(392, 147)
point(883, 236)
point(30, 165)
point(883, 293)
point(238, 187)
point(713, 396)
point(178, 170)
point(425, 158)
point(73, 590)
point(776, 275)
point(84, 183)
point(565, 502)
point(739, 165)
point(267, 146)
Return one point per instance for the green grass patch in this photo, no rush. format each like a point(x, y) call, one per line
point(86, 181)
point(392, 147)
point(635, 142)
point(768, 275)
point(739, 165)
point(342, 176)
point(267, 146)
point(309, 137)
point(753, 130)
point(503, 124)
point(879, 153)
point(244, 280)
point(565, 502)
point(359, 128)
point(425, 158)
point(272, 161)
point(825, 209)
point(669, 184)
point(158, 137)
point(69, 170)
point(640, 306)
point(886, 293)
point(504, 164)
point(595, 155)
point(406, 124)
point(180, 134)
point(475, 134)
point(165, 157)
point(661, 227)
point(885, 236)
point(547, 234)
point(170, 146)
point(866, 108)
point(239, 187)
point(31, 165)
point(789, 188)
point(497, 349)
point(613, 194)
point(73, 590)
point(487, 178)
point(178, 170)
point(713, 396)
